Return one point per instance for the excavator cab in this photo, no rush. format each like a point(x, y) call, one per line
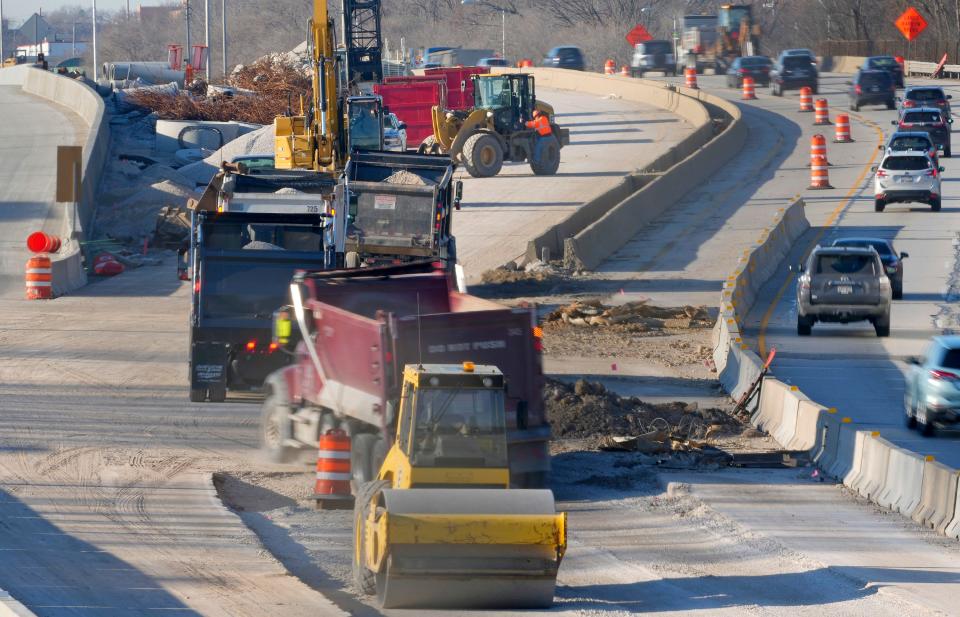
point(364, 123)
point(440, 528)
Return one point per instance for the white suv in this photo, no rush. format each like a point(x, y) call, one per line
point(906, 176)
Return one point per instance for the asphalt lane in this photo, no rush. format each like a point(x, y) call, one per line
point(847, 366)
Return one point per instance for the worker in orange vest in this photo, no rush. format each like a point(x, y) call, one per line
point(541, 123)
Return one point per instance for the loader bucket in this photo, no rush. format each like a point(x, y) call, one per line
point(465, 548)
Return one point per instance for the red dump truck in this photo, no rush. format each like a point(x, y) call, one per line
point(353, 333)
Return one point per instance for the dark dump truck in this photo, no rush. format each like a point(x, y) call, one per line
point(353, 333)
point(400, 208)
point(249, 234)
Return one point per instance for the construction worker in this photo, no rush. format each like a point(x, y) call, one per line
point(541, 123)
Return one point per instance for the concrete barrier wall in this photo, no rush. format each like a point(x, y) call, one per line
point(73, 221)
point(690, 105)
point(938, 496)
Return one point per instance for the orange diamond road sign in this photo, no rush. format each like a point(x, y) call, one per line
point(639, 34)
point(911, 23)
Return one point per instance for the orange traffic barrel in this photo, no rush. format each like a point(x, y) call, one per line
point(39, 242)
point(332, 486)
point(625, 71)
point(526, 63)
point(749, 89)
point(39, 278)
point(818, 147)
point(819, 174)
point(806, 98)
point(821, 112)
point(609, 67)
point(842, 132)
point(690, 77)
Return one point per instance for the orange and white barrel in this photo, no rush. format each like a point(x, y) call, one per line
point(819, 174)
point(806, 99)
point(690, 77)
point(625, 71)
point(749, 89)
point(39, 278)
point(332, 486)
point(821, 112)
point(842, 131)
point(818, 147)
point(609, 67)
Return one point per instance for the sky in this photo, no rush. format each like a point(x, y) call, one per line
point(18, 10)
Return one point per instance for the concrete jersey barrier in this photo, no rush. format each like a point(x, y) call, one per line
point(67, 264)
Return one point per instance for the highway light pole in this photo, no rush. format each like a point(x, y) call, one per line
point(94, 40)
point(206, 27)
point(2, 32)
point(223, 31)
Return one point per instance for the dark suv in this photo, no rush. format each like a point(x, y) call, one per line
point(888, 64)
point(926, 96)
point(793, 72)
point(565, 58)
point(653, 56)
point(929, 120)
point(872, 88)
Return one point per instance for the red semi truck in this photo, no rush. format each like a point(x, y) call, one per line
point(362, 327)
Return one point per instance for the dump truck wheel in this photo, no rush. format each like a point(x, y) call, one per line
point(482, 155)
point(549, 161)
point(198, 395)
point(378, 454)
point(364, 579)
point(429, 146)
point(361, 447)
point(275, 429)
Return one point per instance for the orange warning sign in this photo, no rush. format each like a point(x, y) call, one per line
point(911, 23)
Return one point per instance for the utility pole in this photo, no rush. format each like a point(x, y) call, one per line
point(223, 30)
point(3, 31)
point(95, 69)
point(187, 12)
point(206, 27)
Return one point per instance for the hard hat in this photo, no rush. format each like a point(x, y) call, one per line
point(536, 112)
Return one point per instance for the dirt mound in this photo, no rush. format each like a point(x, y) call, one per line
point(639, 315)
point(588, 410)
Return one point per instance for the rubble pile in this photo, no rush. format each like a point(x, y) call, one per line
point(587, 410)
point(256, 93)
point(640, 315)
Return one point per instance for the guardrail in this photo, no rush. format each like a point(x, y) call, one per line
point(916, 486)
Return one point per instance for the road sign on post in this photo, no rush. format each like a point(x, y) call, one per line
point(911, 23)
point(639, 34)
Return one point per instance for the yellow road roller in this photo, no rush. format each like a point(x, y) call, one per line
point(440, 528)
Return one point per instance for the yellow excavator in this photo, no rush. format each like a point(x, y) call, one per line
point(440, 528)
point(322, 135)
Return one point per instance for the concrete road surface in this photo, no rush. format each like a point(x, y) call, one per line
point(32, 130)
point(609, 138)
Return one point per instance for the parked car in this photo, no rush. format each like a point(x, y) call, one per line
point(493, 62)
point(912, 141)
point(904, 177)
point(872, 88)
point(892, 262)
point(888, 64)
point(842, 285)
point(926, 96)
point(394, 133)
point(931, 121)
point(757, 67)
point(653, 56)
point(793, 72)
point(565, 58)
point(932, 394)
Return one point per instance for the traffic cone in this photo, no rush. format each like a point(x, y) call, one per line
point(818, 148)
point(39, 278)
point(819, 176)
point(821, 112)
point(806, 99)
point(842, 132)
point(749, 90)
point(690, 77)
point(624, 71)
point(332, 487)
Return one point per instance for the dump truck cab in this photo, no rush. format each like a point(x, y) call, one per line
point(451, 429)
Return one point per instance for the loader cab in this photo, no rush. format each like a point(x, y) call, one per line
point(511, 98)
point(451, 429)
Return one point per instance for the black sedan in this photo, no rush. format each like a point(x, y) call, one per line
point(757, 67)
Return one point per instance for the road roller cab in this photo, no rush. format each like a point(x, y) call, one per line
point(440, 528)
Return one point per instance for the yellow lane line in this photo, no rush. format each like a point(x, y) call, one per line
point(831, 221)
